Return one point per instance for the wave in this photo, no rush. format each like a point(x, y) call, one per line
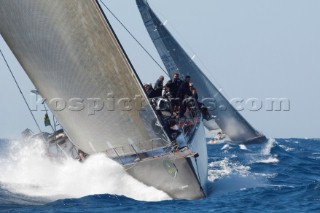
point(27, 170)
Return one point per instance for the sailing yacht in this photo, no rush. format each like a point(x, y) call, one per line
point(176, 59)
point(75, 60)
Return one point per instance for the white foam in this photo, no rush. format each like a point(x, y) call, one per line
point(224, 168)
point(267, 175)
point(235, 182)
point(228, 176)
point(29, 171)
point(243, 147)
point(225, 147)
point(269, 160)
point(287, 149)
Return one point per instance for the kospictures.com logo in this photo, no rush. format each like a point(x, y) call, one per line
point(112, 103)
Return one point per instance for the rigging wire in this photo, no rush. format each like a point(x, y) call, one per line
point(149, 54)
point(20, 90)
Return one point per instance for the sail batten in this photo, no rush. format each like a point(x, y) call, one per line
point(176, 59)
point(70, 53)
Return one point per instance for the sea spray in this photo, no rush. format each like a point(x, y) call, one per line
point(268, 146)
point(266, 156)
point(231, 171)
point(223, 168)
point(27, 170)
point(226, 176)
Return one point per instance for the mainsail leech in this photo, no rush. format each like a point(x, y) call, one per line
point(72, 56)
point(176, 59)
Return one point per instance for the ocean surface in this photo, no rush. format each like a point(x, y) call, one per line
point(282, 175)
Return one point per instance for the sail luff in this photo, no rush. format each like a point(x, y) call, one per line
point(71, 54)
point(176, 59)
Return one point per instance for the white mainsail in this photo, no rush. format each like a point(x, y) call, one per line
point(72, 56)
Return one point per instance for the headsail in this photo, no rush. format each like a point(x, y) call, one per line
point(72, 56)
point(176, 59)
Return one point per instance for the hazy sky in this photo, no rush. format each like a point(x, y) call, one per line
point(251, 49)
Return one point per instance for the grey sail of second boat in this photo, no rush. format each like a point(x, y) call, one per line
point(176, 59)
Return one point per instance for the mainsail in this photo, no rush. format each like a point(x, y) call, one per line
point(74, 59)
point(176, 59)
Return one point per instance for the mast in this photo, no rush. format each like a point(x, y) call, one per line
point(176, 59)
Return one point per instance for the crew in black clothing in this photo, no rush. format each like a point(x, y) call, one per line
point(176, 83)
point(172, 87)
point(184, 89)
point(181, 94)
point(149, 90)
point(166, 90)
point(204, 110)
point(184, 93)
point(194, 92)
point(173, 130)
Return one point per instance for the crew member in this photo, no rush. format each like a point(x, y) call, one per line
point(183, 94)
point(176, 134)
point(149, 90)
point(158, 86)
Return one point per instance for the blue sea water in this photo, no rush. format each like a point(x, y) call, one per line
point(282, 175)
